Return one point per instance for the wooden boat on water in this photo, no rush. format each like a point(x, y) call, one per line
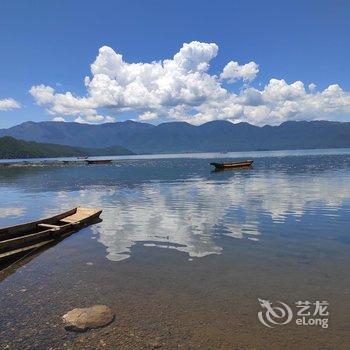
point(224, 166)
point(21, 240)
point(98, 161)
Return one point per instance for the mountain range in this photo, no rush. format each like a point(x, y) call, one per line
point(178, 137)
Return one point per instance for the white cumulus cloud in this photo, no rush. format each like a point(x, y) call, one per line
point(148, 116)
point(80, 120)
point(233, 72)
point(7, 104)
point(183, 88)
point(58, 119)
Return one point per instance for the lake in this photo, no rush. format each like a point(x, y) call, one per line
point(183, 253)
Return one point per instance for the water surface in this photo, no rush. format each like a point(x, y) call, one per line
point(181, 204)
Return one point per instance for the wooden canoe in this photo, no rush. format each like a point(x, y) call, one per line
point(20, 240)
point(98, 161)
point(224, 166)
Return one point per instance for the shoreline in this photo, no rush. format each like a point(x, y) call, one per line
point(207, 155)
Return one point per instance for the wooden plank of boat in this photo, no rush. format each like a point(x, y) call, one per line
point(223, 166)
point(24, 249)
point(98, 161)
point(11, 231)
point(22, 241)
point(25, 237)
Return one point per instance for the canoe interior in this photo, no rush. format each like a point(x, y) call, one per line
point(20, 240)
point(22, 228)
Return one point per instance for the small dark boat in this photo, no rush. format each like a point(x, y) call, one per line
point(224, 166)
point(21, 240)
point(98, 161)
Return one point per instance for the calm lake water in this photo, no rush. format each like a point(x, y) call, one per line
point(285, 223)
point(181, 204)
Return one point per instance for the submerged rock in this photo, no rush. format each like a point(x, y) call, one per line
point(80, 320)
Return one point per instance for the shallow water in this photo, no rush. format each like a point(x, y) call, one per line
point(280, 229)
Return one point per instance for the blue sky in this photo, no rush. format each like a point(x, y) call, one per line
point(54, 42)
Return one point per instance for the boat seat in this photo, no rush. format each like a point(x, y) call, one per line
point(70, 221)
point(56, 227)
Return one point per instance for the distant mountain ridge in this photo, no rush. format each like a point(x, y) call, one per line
point(178, 137)
point(11, 148)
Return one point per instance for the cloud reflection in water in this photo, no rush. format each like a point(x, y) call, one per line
point(190, 216)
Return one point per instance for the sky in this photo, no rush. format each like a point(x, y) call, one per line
point(262, 62)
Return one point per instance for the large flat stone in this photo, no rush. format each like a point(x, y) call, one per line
point(80, 320)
